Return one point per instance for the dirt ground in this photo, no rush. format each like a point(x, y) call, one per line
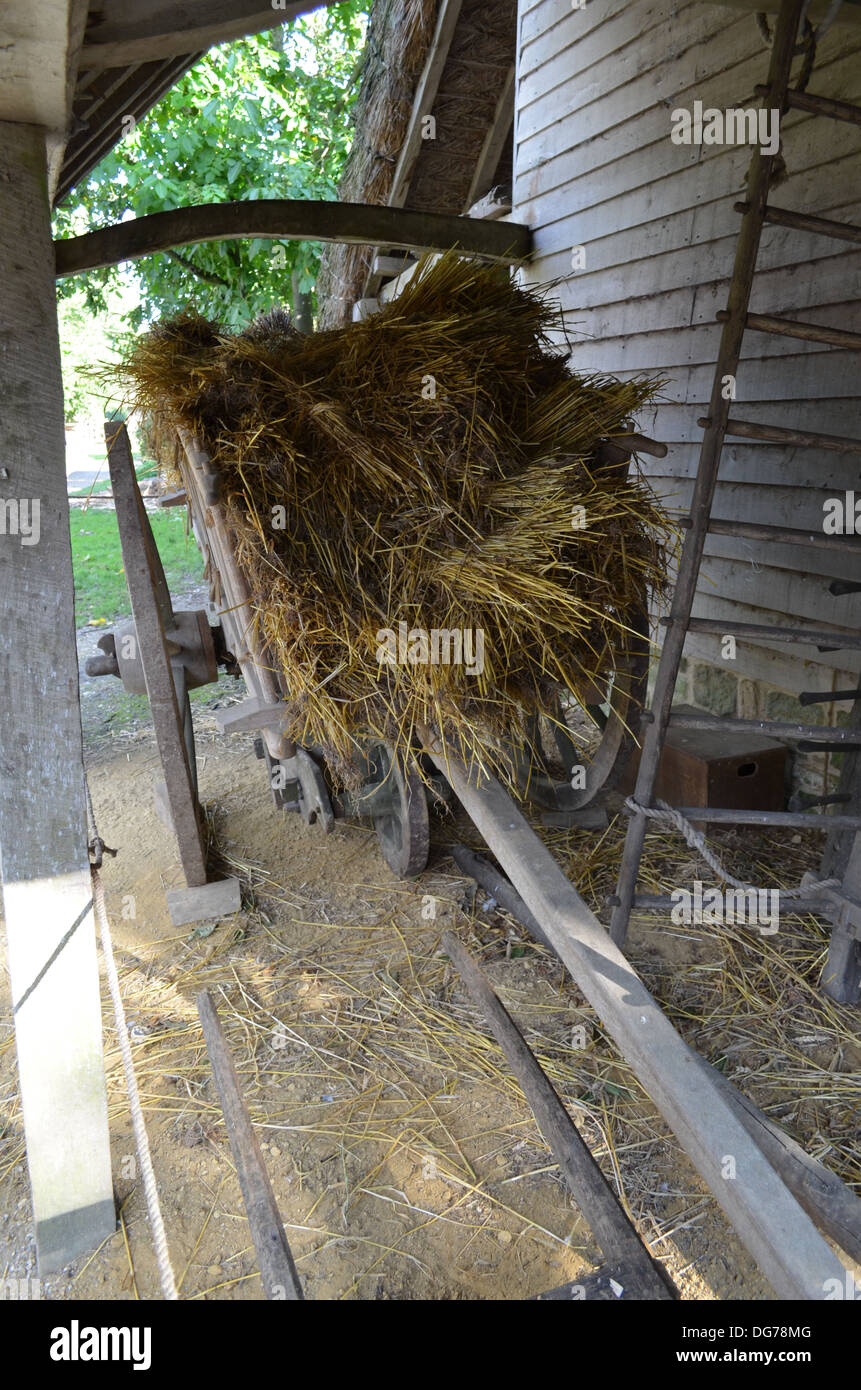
point(404, 1158)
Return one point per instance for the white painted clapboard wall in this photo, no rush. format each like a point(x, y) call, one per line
point(595, 167)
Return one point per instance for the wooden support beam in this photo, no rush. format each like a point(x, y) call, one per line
point(280, 1278)
point(768, 1219)
point(121, 33)
point(290, 219)
point(494, 143)
point(47, 891)
point(423, 100)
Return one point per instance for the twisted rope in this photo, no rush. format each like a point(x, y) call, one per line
point(162, 1253)
point(697, 841)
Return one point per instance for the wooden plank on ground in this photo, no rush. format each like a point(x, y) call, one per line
point(610, 1226)
point(278, 1272)
point(768, 1219)
point(47, 891)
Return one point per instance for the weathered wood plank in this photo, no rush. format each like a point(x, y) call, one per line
point(280, 1278)
point(747, 463)
point(688, 248)
point(687, 353)
point(767, 1218)
point(602, 70)
point(593, 101)
point(423, 99)
point(578, 215)
point(47, 891)
point(786, 672)
point(616, 1235)
point(150, 29)
point(296, 219)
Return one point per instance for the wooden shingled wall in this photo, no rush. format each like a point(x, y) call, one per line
point(595, 167)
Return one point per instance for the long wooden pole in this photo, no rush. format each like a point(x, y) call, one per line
point(779, 1235)
point(47, 893)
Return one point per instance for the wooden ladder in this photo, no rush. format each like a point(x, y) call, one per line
point(841, 906)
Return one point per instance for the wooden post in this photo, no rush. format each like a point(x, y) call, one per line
point(47, 892)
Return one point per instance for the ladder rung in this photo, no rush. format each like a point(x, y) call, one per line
point(751, 429)
point(819, 106)
point(802, 801)
point(806, 222)
point(827, 697)
point(789, 535)
point(808, 636)
point(795, 328)
point(772, 728)
point(808, 745)
point(791, 820)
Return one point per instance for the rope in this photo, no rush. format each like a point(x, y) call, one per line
point(697, 841)
point(162, 1253)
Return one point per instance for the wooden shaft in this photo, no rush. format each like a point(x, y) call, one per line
point(827, 1200)
point(776, 434)
point(772, 727)
point(819, 106)
point(805, 222)
point(788, 535)
point(822, 637)
point(809, 332)
point(768, 1219)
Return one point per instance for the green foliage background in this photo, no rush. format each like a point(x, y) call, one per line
point(263, 117)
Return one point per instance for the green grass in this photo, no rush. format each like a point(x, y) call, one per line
point(147, 469)
point(100, 584)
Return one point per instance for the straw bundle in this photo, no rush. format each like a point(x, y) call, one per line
point(421, 468)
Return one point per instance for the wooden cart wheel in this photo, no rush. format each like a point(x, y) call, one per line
point(618, 719)
point(403, 827)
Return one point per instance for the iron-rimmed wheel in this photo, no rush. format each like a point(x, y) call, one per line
point(403, 825)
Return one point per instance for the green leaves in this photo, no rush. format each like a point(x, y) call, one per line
point(263, 117)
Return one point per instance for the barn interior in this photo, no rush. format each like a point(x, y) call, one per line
point(442, 1028)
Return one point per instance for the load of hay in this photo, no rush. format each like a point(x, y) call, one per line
point(422, 481)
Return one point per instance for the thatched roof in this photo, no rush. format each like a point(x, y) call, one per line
point(464, 100)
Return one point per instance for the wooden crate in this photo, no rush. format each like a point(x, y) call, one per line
point(705, 767)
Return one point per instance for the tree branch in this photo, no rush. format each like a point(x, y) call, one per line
point(209, 276)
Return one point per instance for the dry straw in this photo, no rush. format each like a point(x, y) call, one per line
point(424, 467)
